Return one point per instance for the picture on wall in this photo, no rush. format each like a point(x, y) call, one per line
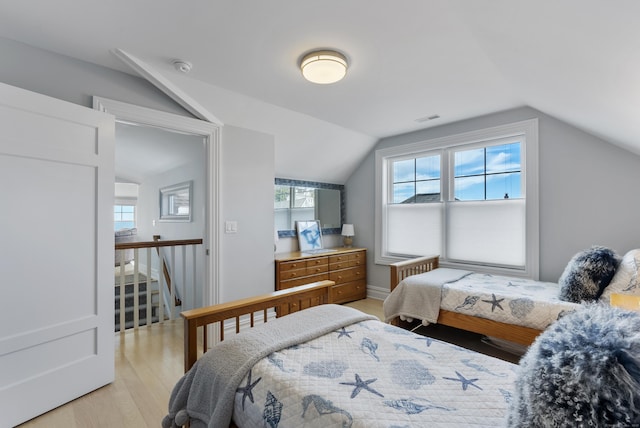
point(309, 235)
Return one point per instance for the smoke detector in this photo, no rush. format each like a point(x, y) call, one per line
point(182, 66)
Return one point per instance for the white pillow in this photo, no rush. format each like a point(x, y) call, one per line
point(626, 278)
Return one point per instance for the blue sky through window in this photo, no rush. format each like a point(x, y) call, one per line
point(487, 173)
point(483, 173)
point(418, 176)
point(124, 217)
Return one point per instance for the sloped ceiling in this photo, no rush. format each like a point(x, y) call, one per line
point(575, 59)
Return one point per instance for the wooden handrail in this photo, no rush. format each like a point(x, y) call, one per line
point(165, 271)
point(156, 244)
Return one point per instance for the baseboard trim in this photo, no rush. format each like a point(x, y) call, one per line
point(378, 293)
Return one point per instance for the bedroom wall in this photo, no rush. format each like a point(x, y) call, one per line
point(76, 81)
point(247, 179)
point(245, 154)
point(588, 192)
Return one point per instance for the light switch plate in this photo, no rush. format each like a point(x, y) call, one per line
point(230, 226)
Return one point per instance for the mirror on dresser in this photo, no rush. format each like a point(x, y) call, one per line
point(308, 200)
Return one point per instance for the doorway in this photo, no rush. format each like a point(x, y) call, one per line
point(132, 119)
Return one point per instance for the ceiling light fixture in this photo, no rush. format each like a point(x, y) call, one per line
point(324, 67)
point(182, 66)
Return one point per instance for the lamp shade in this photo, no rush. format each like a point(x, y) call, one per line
point(323, 67)
point(347, 230)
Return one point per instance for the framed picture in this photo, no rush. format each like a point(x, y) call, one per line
point(309, 235)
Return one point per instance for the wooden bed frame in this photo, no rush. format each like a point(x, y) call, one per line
point(284, 302)
point(510, 332)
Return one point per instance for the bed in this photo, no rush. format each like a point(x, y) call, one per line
point(331, 365)
point(509, 308)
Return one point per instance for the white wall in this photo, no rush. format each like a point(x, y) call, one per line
point(76, 81)
point(247, 157)
point(588, 191)
point(247, 179)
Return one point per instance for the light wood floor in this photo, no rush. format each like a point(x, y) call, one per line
point(147, 363)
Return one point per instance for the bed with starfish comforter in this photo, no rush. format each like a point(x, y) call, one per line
point(503, 299)
point(354, 372)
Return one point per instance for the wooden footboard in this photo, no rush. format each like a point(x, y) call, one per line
point(284, 301)
point(510, 332)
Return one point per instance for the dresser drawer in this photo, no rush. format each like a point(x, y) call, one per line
point(354, 290)
point(293, 273)
point(301, 281)
point(303, 264)
point(347, 260)
point(339, 258)
point(346, 275)
point(347, 267)
point(358, 259)
point(292, 270)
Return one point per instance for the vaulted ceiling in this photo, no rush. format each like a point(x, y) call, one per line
point(577, 60)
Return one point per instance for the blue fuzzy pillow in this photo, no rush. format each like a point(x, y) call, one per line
point(583, 371)
point(587, 274)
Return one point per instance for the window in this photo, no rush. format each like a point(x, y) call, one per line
point(471, 198)
point(124, 216)
point(490, 172)
point(416, 180)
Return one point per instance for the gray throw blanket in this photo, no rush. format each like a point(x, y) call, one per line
point(204, 395)
point(419, 296)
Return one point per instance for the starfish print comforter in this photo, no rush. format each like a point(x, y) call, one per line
point(511, 300)
point(371, 374)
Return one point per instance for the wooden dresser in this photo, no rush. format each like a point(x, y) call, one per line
point(347, 267)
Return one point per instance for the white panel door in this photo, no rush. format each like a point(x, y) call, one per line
point(56, 253)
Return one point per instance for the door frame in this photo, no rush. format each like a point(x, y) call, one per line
point(137, 115)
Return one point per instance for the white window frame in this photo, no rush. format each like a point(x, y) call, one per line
point(527, 129)
point(121, 201)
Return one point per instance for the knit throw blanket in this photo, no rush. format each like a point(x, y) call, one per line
point(419, 296)
point(204, 395)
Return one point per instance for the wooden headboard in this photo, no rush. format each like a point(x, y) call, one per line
point(401, 270)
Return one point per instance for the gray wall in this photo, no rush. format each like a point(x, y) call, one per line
point(76, 81)
point(247, 156)
point(588, 191)
point(247, 198)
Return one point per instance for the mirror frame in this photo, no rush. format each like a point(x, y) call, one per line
point(300, 183)
point(167, 192)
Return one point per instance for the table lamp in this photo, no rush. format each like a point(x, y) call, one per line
point(347, 232)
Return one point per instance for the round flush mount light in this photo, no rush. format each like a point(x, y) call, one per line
point(182, 66)
point(324, 67)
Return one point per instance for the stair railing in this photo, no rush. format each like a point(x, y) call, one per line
point(164, 278)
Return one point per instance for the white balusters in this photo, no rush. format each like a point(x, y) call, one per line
point(149, 290)
point(181, 281)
